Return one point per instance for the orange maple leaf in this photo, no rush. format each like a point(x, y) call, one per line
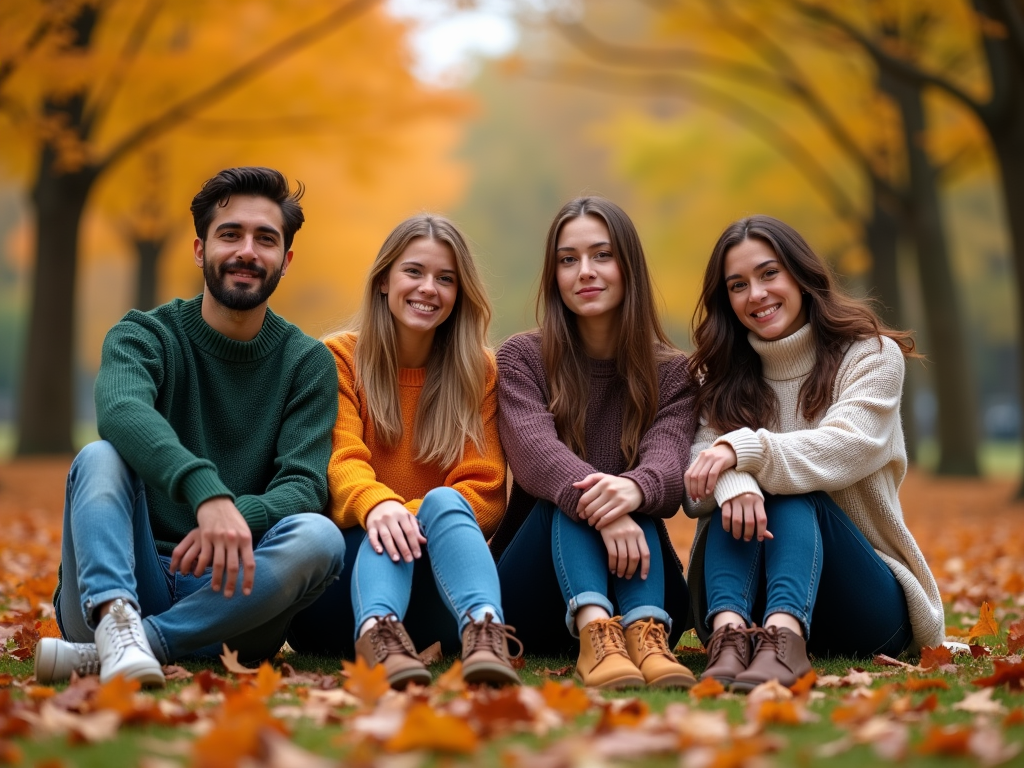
point(1005, 672)
point(48, 628)
point(986, 626)
point(925, 684)
point(118, 695)
point(266, 681)
point(565, 698)
point(452, 680)
point(426, 729)
point(778, 712)
point(936, 657)
point(707, 689)
point(495, 711)
point(952, 631)
point(945, 740)
point(368, 684)
point(236, 731)
point(1015, 637)
point(622, 713)
point(1014, 583)
point(804, 685)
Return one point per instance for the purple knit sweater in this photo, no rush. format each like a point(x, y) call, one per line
point(545, 468)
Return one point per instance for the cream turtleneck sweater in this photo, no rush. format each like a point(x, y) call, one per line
point(854, 451)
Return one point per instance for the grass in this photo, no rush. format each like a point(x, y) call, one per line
point(802, 741)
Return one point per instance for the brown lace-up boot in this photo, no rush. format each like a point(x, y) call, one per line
point(485, 657)
point(779, 654)
point(647, 646)
point(604, 661)
point(728, 654)
point(387, 643)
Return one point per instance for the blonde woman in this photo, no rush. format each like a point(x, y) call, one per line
point(417, 474)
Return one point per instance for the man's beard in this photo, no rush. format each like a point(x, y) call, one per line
point(243, 298)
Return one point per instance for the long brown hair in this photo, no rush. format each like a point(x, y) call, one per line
point(642, 342)
point(450, 406)
point(733, 391)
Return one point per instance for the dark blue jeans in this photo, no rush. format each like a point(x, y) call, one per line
point(819, 568)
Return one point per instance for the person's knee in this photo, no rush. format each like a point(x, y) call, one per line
point(800, 504)
point(319, 541)
point(441, 502)
point(99, 457)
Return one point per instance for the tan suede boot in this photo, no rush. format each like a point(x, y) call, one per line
point(728, 654)
point(387, 643)
point(779, 654)
point(485, 656)
point(604, 661)
point(647, 645)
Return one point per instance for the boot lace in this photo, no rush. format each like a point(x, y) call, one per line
point(388, 637)
point(125, 631)
point(733, 637)
point(492, 635)
point(607, 637)
point(88, 659)
point(653, 639)
point(767, 638)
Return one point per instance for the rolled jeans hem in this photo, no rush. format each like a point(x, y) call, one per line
point(648, 612)
point(156, 641)
point(581, 600)
point(743, 612)
point(801, 616)
point(92, 603)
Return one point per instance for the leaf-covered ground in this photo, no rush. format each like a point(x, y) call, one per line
point(948, 709)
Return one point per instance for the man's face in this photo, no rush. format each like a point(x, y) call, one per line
point(243, 256)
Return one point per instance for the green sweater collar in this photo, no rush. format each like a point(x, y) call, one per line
point(217, 344)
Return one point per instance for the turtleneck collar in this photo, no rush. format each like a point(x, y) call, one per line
point(788, 358)
point(206, 338)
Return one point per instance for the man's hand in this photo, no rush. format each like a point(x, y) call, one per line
point(745, 518)
point(392, 527)
point(627, 548)
point(607, 498)
point(702, 476)
point(222, 539)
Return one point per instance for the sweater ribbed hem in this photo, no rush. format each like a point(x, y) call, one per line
point(412, 377)
point(255, 515)
point(274, 330)
point(748, 449)
point(732, 484)
point(203, 484)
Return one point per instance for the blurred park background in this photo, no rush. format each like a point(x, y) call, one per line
point(889, 132)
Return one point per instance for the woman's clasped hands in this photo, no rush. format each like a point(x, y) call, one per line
point(743, 515)
point(606, 504)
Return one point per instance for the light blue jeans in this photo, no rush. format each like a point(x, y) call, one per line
point(463, 568)
point(108, 552)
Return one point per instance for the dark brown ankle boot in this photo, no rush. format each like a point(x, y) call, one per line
point(779, 654)
point(485, 656)
point(728, 654)
point(387, 643)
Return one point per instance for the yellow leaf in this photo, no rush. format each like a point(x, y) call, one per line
point(366, 683)
point(987, 625)
point(267, 680)
point(565, 698)
point(425, 729)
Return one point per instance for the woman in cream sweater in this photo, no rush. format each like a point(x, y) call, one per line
point(796, 468)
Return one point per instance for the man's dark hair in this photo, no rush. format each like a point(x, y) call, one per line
point(254, 181)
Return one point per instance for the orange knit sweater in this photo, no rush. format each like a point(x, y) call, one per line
point(363, 472)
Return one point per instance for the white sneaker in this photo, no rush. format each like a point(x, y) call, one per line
point(57, 659)
point(123, 647)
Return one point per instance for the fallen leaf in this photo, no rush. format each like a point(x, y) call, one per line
point(366, 683)
point(945, 740)
point(780, 713)
point(229, 659)
point(426, 729)
point(174, 672)
point(936, 657)
point(1015, 636)
point(987, 745)
point(498, 711)
point(889, 661)
point(925, 684)
point(980, 703)
point(952, 631)
point(1016, 717)
point(857, 677)
point(565, 698)
point(1004, 672)
point(980, 651)
point(267, 680)
point(622, 713)
point(709, 688)
point(452, 680)
point(560, 672)
point(770, 691)
point(986, 626)
point(431, 654)
point(279, 752)
point(117, 695)
point(236, 732)
point(10, 753)
point(209, 681)
point(803, 686)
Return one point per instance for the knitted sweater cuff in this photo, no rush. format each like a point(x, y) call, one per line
point(749, 451)
point(255, 514)
point(733, 483)
point(203, 484)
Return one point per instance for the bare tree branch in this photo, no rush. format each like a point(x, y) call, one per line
point(100, 104)
point(185, 109)
point(720, 101)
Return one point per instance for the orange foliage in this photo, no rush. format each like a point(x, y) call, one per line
point(707, 689)
point(236, 731)
point(622, 713)
point(925, 684)
point(1010, 674)
point(426, 729)
point(1015, 636)
point(366, 683)
point(946, 740)
point(117, 695)
point(936, 657)
point(565, 698)
point(986, 626)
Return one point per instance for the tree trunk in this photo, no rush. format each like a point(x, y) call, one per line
point(148, 251)
point(882, 234)
point(957, 406)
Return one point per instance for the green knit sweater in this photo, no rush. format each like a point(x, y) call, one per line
point(199, 415)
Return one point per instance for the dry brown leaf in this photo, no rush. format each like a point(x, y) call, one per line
point(776, 712)
point(925, 684)
point(174, 672)
point(945, 740)
point(279, 752)
point(229, 659)
point(987, 745)
point(431, 654)
point(451, 681)
point(987, 625)
point(708, 688)
point(560, 672)
point(497, 711)
point(1015, 636)
point(117, 695)
point(980, 703)
point(1012, 674)
point(773, 690)
point(565, 698)
point(889, 739)
point(91, 727)
point(426, 729)
point(889, 661)
point(10, 753)
point(696, 726)
point(803, 686)
point(622, 713)
point(936, 657)
point(1016, 717)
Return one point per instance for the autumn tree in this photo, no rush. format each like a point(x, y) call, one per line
point(85, 86)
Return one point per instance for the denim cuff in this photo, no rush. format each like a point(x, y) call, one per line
point(91, 603)
point(156, 642)
point(741, 610)
point(801, 616)
point(648, 612)
point(582, 599)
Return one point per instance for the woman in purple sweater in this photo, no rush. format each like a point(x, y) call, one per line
point(596, 418)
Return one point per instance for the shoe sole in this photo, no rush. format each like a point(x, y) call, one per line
point(674, 680)
point(484, 672)
point(46, 661)
point(400, 680)
point(615, 684)
point(147, 676)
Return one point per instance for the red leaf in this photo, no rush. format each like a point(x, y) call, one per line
point(1010, 674)
point(936, 657)
point(1015, 638)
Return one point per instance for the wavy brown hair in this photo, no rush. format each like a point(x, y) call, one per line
point(733, 391)
point(451, 404)
point(642, 342)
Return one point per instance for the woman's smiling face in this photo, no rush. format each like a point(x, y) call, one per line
point(762, 292)
point(422, 285)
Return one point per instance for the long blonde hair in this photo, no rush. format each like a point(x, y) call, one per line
point(449, 410)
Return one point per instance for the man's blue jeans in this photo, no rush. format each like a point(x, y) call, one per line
point(434, 596)
point(819, 569)
point(581, 568)
point(108, 552)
